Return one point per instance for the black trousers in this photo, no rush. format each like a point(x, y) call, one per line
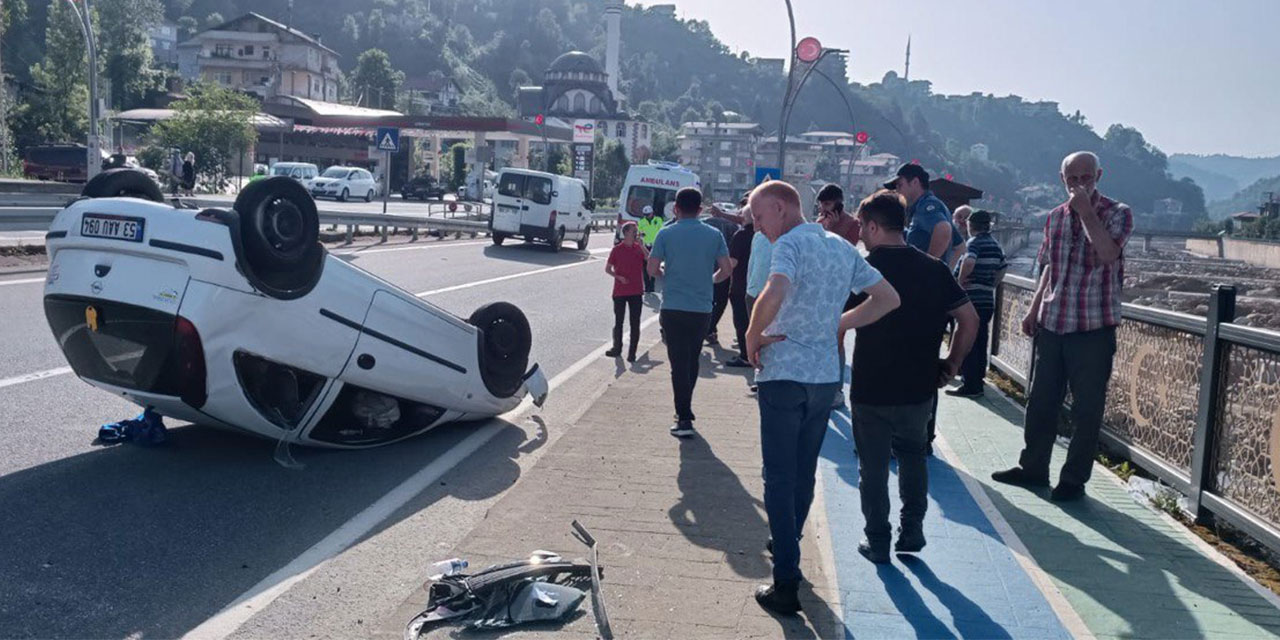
point(741, 319)
point(719, 302)
point(974, 369)
point(1083, 361)
point(648, 279)
point(685, 331)
point(881, 432)
point(620, 307)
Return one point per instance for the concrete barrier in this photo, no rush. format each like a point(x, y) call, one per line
point(1262, 253)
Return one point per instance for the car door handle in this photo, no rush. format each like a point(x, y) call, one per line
point(525, 207)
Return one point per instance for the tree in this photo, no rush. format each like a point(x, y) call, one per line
point(212, 20)
point(611, 168)
point(58, 109)
point(126, 49)
point(559, 161)
point(214, 123)
point(375, 80)
point(187, 27)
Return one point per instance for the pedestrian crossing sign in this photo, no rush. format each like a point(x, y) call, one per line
point(388, 139)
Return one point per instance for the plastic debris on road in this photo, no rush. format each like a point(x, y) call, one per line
point(146, 429)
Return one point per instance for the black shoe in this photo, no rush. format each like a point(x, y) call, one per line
point(737, 361)
point(878, 554)
point(1020, 477)
point(1067, 492)
point(783, 600)
point(631, 357)
point(613, 353)
point(683, 429)
point(713, 338)
point(965, 393)
point(755, 388)
point(910, 540)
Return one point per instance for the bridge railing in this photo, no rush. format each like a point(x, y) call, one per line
point(1193, 400)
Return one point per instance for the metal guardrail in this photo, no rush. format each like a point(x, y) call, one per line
point(1193, 400)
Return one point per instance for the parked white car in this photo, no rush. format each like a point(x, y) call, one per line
point(344, 183)
point(541, 206)
point(303, 172)
point(240, 319)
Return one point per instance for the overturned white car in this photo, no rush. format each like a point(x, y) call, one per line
point(241, 319)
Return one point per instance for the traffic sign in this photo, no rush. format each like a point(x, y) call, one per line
point(388, 139)
point(767, 173)
point(809, 50)
point(863, 137)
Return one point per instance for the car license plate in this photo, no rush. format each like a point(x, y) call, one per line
point(101, 225)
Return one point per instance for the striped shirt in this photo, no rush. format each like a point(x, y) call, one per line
point(988, 260)
point(1082, 295)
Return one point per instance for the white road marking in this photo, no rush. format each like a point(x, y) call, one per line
point(258, 597)
point(31, 377)
point(417, 247)
point(23, 281)
point(513, 276)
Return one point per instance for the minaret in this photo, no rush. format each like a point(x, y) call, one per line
point(906, 73)
point(613, 41)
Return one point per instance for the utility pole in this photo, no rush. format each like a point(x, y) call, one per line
point(86, 28)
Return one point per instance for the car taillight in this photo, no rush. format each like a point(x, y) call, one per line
point(187, 361)
point(553, 218)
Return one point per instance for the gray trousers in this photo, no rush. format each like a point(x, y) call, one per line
point(903, 431)
point(1083, 362)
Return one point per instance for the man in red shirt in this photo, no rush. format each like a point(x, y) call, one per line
point(626, 266)
point(832, 216)
point(1073, 318)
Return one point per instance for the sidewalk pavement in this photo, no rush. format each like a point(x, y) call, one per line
point(681, 526)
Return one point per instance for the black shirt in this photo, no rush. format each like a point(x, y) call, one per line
point(740, 250)
point(895, 360)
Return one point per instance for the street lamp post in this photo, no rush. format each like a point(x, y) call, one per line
point(86, 28)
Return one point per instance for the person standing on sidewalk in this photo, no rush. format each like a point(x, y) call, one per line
point(649, 226)
point(896, 375)
point(833, 218)
point(691, 257)
point(757, 272)
point(1073, 319)
point(626, 265)
point(960, 218)
point(981, 271)
point(791, 342)
point(740, 256)
point(720, 294)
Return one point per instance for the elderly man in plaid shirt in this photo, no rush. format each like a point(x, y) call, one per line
point(1073, 318)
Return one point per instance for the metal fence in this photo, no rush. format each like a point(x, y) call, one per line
point(1195, 401)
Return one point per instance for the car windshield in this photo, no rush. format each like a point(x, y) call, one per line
point(638, 197)
point(335, 172)
point(284, 171)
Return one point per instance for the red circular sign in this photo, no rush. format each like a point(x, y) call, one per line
point(808, 50)
point(948, 176)
point(862, 137)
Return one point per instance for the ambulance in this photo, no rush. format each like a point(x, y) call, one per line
point(654, 184)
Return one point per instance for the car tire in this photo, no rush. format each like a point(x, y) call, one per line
point(505, 338)
point(346, 193)
point(558, 241)
point(123, 183)
point(279, 232)
point(585, 240)
point(368, 197)
point(499, 238)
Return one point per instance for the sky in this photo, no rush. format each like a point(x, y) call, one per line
point(1195, 76)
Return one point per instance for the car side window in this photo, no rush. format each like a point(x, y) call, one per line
point(539, 190)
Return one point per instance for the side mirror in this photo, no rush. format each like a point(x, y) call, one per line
point(590, 204)
point(555, 194)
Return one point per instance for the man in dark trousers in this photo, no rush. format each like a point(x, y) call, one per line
point(720, 295)
point(897, 373)
point(740, 256)
point(691, 257)
point(981, 269)
point(1073, 319)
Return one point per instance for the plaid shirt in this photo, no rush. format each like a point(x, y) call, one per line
point(1082, 295)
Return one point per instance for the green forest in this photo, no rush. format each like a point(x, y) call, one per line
point(673, 71)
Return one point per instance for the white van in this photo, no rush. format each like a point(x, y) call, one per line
point(541, 206)
point(654, 184)
point(303, 172)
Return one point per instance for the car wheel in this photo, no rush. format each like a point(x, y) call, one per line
point(586, 238)
point(346, 193)
point(558, 240)
point(278, 234)
point(368, 197)
point(498, 239)
point(505, 339)
point(123, 183)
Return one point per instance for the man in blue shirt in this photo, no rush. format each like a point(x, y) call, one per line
point(931, 229)
point(692, 257)
point(792, 342)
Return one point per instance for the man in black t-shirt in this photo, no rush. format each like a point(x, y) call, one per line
point(740, 256)
point(897, 373)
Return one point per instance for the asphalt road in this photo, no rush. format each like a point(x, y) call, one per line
point(395, 204)
point(131, 541)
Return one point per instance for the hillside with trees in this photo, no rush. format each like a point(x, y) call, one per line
point(673, 71)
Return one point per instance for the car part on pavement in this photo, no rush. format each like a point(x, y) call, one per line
point(597, 597)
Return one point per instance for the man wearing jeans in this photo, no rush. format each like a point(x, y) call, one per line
point(792, 342)
point(896, 375)
point(691, 256)
point(1073, 319)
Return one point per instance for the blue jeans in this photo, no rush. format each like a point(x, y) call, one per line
point(793, 421)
